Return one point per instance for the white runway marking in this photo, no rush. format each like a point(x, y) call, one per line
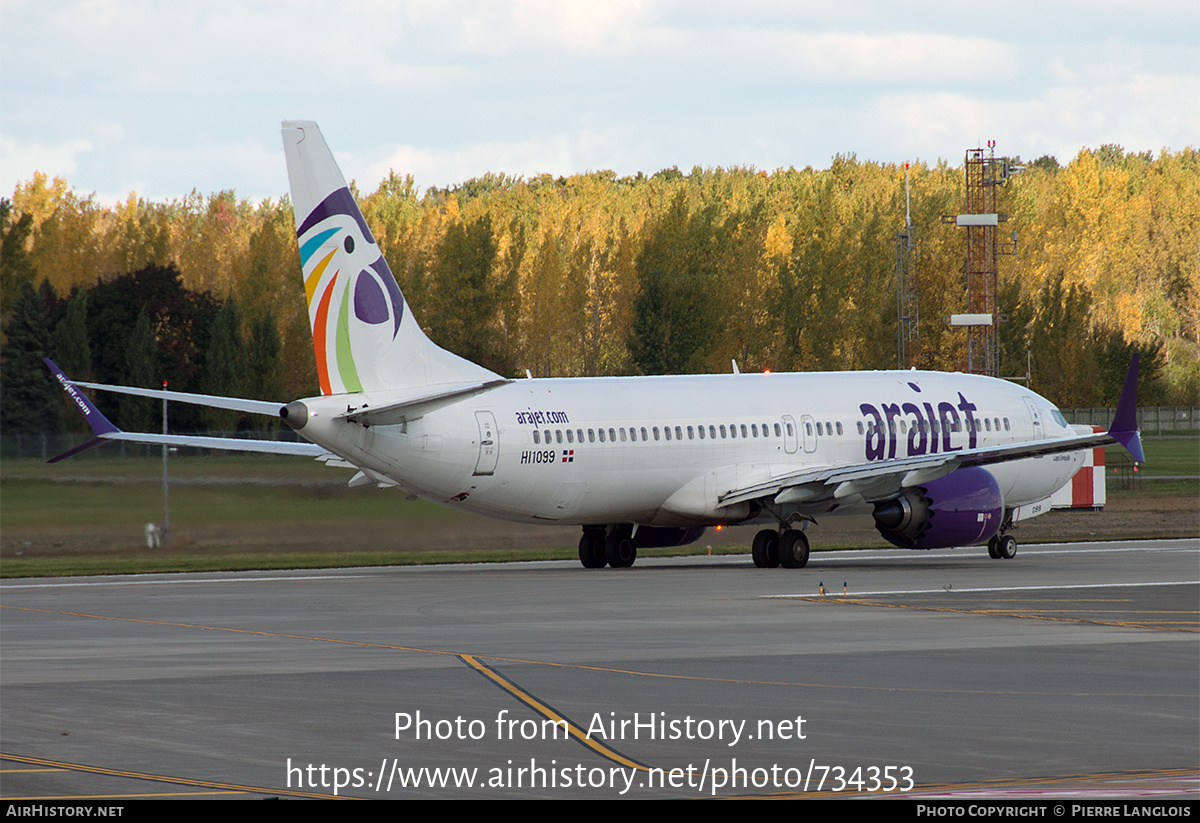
point(834, 595)
point(181, 579)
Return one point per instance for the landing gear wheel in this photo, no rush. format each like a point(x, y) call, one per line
point(765, 549)
point(793, 549)
point(1006, 547)
point(994, 547)
point(620, 550)
point(591, 549)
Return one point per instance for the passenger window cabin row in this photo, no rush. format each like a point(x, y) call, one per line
point(733, 431)
point(986, 424)
point(635, 433)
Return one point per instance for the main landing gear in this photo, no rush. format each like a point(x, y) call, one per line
point(616, 548)
point(788, 548)
point(1002, 547)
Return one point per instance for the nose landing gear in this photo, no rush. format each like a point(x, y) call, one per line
point(1002, 547)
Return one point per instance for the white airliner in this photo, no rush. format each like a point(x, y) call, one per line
point(938, 459)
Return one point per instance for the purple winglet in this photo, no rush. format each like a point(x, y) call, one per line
point(1124, 424)
point(100, 424)
point(91, 444)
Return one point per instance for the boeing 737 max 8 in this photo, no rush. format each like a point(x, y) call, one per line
point(938, 459)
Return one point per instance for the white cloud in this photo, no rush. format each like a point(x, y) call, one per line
point(188, 94)
point(20, 159)
point(253, 169)
point(890, 58)
point(441, 167)
point(1060, 72)
point(579, 27)
point(1139, 112)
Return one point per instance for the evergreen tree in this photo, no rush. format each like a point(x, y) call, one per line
point(29, 394)
point(180, 319)
point(223, 363)
point(137, 413)
point(74, 355)
point(262, 364)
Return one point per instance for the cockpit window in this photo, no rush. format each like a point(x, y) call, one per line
point(1058, 418)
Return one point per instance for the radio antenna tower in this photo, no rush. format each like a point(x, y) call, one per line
point(981, 220)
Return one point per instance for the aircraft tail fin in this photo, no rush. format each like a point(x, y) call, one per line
point(364, 336)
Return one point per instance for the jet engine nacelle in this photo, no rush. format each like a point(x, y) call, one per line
point(961, 509)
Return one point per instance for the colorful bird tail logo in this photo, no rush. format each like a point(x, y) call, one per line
point(354, 304)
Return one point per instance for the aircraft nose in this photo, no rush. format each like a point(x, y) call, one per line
point(295, 414)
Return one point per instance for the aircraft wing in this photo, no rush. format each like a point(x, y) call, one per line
point(104, 430)
point(879, 480)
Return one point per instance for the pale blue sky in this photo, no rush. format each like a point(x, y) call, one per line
point(160, 98)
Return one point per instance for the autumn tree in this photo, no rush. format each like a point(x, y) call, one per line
point(16, 265)
point(553, 303)
point(675, 314)
point(463, 298)
point(834, 307)
point(598, 274)
point(1063, 366)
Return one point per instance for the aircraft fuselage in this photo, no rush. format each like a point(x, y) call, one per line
point(620, 449)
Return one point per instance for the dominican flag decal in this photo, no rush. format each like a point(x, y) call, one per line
point(568, 456)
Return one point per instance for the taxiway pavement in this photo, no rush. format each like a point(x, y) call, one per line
point(1071, 668)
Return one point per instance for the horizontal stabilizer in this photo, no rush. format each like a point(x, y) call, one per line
point(224, 443)
point(214, 401)
point(104, 430)
point(235, 444)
